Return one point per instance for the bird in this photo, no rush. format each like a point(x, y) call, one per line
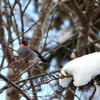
point(28, 52)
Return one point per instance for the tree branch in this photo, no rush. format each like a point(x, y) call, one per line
point(14, 85)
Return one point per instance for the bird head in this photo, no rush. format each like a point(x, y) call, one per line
point(24, 43)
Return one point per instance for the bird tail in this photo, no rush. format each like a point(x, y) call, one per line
point(38, 54)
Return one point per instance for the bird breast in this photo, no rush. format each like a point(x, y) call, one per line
point(26, 52)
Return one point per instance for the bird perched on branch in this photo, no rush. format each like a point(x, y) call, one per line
point(27, 52)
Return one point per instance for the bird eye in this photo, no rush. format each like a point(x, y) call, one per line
point(26, 42)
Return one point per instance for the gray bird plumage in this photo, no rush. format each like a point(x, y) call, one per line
point(26, 52)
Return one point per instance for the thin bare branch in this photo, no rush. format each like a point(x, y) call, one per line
point(14, 85)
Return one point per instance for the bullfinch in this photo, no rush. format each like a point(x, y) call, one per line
point(27, 52)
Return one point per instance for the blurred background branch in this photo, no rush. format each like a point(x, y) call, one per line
point(60, 30)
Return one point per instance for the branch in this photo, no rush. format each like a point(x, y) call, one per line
point(92, 43)
point(32, 84)
point(83, 35)
point(14, 85)
point(26, 6)
point(93, 93)
point(31, 78)
point(74, 93)
point(78, 11)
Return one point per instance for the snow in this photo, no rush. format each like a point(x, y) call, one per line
point(64, 81)
point(83, 69)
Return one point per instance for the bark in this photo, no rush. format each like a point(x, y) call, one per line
point(10, 58)
point(14, 74)
point(15, 86)
point(32, 84)
point(17, 68)
point(69, 94)
point(38, 36)
point(82, 37)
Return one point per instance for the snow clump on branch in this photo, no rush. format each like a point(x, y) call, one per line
point(83, 69)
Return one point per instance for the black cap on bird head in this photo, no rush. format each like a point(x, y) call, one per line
point(25, 42)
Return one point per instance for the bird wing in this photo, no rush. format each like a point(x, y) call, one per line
point(38, 54)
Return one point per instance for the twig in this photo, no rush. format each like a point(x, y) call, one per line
point(78, 11)
point(26, 6)
point(31, 25)
point(96, 22)
point(92, 43)
point(73, 93)
point(14, 85)
point(90, 98)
